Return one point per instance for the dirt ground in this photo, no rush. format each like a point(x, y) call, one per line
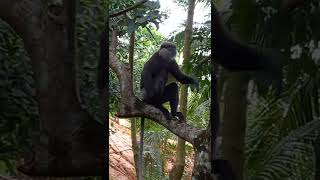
point(121, 163)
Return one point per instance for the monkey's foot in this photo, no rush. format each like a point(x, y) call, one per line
point(179, 114)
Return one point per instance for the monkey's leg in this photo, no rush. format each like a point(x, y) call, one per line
point(171, 94)
point(164, 111)
point(157, 102)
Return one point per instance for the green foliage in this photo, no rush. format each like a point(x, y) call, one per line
point(114, 93)
point(90, 24)
point(155, 153)
point(281, 132)
point(19, 111)
point(141, 16)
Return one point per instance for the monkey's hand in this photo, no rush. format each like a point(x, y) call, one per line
point(195, 85)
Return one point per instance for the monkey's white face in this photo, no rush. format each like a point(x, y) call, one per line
point(168, 53)
point(173, 54)
point(173, 50)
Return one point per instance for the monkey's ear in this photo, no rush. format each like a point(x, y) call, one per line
point(165, 54)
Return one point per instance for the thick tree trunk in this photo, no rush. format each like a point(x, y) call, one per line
point(234, 122)
point(202, 166)
point(71, 142)
point(235, 101)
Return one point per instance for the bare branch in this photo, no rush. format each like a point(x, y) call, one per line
point(128, 9)
point(205, 60)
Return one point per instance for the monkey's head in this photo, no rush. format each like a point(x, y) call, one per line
point(168, 51)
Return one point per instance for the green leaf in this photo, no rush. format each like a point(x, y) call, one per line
point(152, 4)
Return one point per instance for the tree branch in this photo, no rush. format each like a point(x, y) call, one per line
point(128, 9)
point(205, 60)
point(114, 41)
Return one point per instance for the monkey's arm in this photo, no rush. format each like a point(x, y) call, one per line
point(174, 69)
point(147, 82)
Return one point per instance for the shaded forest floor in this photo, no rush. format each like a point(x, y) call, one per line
point(121, 163)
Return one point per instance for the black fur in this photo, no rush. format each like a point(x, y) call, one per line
point(155, 76)
point(223, 169)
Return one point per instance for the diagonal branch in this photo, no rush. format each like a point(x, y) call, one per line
point(128, 9)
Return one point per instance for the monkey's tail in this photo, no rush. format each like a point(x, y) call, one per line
point(141, 150)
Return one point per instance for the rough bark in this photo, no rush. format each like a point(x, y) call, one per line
point(202, 167)
point(234, 122)
point(68, 128)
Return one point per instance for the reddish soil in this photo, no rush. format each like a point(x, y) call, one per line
point(121, 164)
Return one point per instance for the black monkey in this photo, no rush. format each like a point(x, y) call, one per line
point(154, 79)
point(154, 86)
